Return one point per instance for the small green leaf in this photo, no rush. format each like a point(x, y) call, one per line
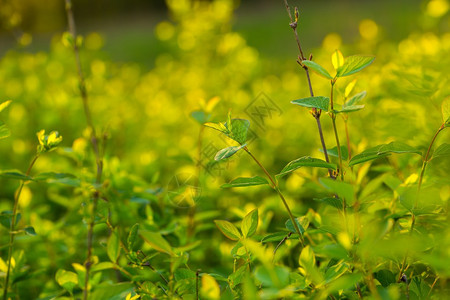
point(228, 229)
point(355, 99)
point(318, 102)
point(291, 226)
point(113, 246)
point(66, 279)
point(354, 64)
point(200, 116)
point(30, 230)
point(245, 181)
point(227, 152)
point(155, 240)
point(441, 151)
point(250, 223)
point(349, 109)
point(334, 152)
point(382, 151)
point(305, 161)
point(103, 266)
point(343, 189)
point(4, 131)
point(236, 277)
point(317, 68)
point(132, 236)
point(4, 105)
point(13, 174)
point(238, 130)
point(446, 111)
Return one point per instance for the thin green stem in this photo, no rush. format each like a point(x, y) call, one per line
point(276, 188)
point(94, 143)
point(12, 226)
point(333, 118)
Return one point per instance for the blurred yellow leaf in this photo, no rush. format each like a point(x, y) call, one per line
point(337, 59)
point(210, 288)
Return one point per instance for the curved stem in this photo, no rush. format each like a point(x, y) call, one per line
point(13, 225)
point(276, 188)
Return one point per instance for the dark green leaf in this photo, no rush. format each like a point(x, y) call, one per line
point(227, 152)
point(228, 229)
point(305, 161)
point(276, 237)
point(245, 181)
point(385, 277)
point(382, 151)
point(319, 102)
point(250, 223)
point(317, 68)
point(291, 226)
point(353, 64)
point(14, 175)
point(30, 231)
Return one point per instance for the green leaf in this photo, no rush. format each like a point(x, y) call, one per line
point(250, 223)
point(245, 181)
point(238, 130)
point(347, 281)
point(355, 99)
point(291, 226)
point(66, 279)
point(305, 161)
point(275, 277)
point(349, 109)
point(30, 231)
point(446, 111)
point(116, 291)
point(200, 116)
point(385, 277)
point(4, 105)
point(228, 229)
point(317, 68)
point(441, 151)
point(13, 174)
point(343, 189)
point(277, 236)
point(62, 178)
point(236, 277)
point(382, 151)
point(217, 126)
point(354, 64)
point(307, 261)
point(227, 152)
point(210, 289)
point(113, 246)
point(155, 240)
point(132, 236)
point(334, 152)
point(4, 131)
point(334, 202)
point(103, 266)
point(318, 102)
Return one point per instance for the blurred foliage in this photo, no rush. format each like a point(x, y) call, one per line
point(159, 170)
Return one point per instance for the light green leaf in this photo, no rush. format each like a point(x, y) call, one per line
point(347, 281)
point(354, 64)
point(343, 189)
point(116, 291)
point(103, 266)
point(307, 261)
point(441, 151)
point(217, 126)
point(382, 151)
point(4, 131)
point(132, 236)
point(250, 223)
point(446, 111)
point(355, 99)
point(155, 240)
point(66, 279)
point(4, 105)
point(113, 247)
point(228, 229)
point(334, 202)
point(334, 152)
point(317, 68)
point(349, 109)
point(318, 102)
point(305, 161)
point(227, 152)
point(245, 181)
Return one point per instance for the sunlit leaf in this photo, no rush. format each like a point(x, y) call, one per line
point(239, 129)
point(4, 105)
point(446, 111)
point(156, 241)
point(317, 68)
point(307, 261)
point(245, 181)
point(210, 288)
point(337, 59)
point(355, 99)
point(343, 189)
point(354, 64)
point(228, 229)
point(349, 88)
point(250, 223)
point(305, 161)
point(4, 131)
point(318, 102)
point(441, 151)
point(66, 279)
point(217, 126)
point(113, 246)
point(227, 152)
